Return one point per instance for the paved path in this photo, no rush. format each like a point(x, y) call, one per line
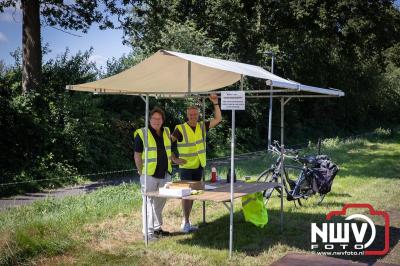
point(28, 198)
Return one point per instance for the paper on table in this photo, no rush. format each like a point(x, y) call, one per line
point(208, 187)
point(175, 192)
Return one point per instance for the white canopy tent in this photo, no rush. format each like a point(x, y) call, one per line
point(170, 73)
point(174, 74)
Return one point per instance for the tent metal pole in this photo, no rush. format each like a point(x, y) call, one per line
point(189, 77)
point(205, 146)
point(146, 153)
point(283, 103)
point(232, 175)
point(232, 180)
point(282, 185)
point(282, 120)
point(282, 162)
point(270, 105)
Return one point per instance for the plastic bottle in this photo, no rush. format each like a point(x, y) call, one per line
point(228, 177)
point(213, 175)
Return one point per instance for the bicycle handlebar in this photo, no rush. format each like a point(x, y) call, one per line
point(279, 150)
point(282, 152)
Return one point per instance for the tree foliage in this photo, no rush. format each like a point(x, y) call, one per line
point(346, 44)
point(70, 15)
point(339, 44)
point(54, 133)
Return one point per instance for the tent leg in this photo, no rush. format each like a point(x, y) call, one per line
point(282, 150)
point(232, 180)
point(282, 190)
point(146, 152)
point(282, 121)
point(270, 106)
point(270, 119)
point(204, 179)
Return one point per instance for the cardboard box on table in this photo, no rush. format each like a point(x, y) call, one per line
point(181, 188)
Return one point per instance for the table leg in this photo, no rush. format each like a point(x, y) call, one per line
point(204, 212)
point(282, 209)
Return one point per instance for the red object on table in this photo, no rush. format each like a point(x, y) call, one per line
point(213, 175)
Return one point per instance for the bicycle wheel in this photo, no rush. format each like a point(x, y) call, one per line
point(292, 174)
point(267, 176)
point(263, 177)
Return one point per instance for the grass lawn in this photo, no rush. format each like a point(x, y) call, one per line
point(104, 227)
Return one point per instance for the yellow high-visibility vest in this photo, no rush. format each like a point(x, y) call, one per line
point(192, 148)
point(152, 150)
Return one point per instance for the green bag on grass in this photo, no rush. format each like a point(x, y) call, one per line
point(254, 209)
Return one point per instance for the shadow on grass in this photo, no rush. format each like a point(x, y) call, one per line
point(378, 166)
point(252, 241)
point(338, 194)
point(368, 160)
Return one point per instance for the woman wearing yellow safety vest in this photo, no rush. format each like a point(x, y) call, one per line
point(191, 145)
point(158, 171)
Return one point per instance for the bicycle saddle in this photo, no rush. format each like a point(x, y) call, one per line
point(322, 157)
point(311, 159)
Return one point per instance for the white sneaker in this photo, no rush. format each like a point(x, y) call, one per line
point(187, 228)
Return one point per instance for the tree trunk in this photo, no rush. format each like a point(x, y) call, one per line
point(31, 45)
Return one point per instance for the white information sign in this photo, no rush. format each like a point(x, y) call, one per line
point(233, 100)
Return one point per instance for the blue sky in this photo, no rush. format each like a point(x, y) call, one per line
point(106, 43)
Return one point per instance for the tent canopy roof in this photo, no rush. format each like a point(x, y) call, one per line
point(168, 72)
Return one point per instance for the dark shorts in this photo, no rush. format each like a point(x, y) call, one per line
point(191, 174)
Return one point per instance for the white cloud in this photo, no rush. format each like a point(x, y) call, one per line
point(3, 37)
point(11, 15)
point(99, 60)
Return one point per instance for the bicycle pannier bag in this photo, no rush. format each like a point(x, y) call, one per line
point(324, 174)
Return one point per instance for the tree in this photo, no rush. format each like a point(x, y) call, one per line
point(337, 44)
point(2, 67)
point(31, 46)
point(76, 15)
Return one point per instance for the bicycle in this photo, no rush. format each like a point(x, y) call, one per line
point(297, 180)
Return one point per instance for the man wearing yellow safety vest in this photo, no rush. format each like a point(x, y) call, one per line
point(191, 145)
point(158, 171)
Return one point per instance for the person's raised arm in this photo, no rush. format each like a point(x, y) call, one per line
point(217, 111)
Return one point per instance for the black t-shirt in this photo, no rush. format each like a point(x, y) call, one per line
point(162, 160)
point(177, 134)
